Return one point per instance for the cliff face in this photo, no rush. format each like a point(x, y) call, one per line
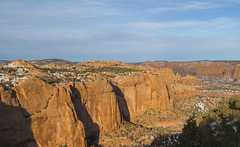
point(62, 115)
point(46, 113)
point(96, 106)
point(225, 69)
point(38, 114)
point(183, 91)
point(139, 93)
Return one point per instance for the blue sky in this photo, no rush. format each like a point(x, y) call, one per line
point(122, 30)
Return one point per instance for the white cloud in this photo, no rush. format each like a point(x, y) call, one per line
point(218, 26)
point(92, 2)
point(49, 11)
point(157, 25)
point(185, 6)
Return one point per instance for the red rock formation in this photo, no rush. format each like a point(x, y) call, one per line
point(62, 115)
point(144, 92)
point(236, 72)
point(70, 114)
point(46, 112)
point(183, 91)
point(33, 94)
point(187, 79)
point(215, 69)
point(101, 110)
point(226, 69)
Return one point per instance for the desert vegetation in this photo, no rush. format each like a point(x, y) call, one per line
point(218, 127)
point(12, 74)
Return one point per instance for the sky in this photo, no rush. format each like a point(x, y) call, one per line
point(120, 30)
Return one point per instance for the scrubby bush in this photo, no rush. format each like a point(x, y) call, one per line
point(220, 127)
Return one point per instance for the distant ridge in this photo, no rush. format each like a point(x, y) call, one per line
point(233, 62)
point(189, 61)
point(63, 62)
point(60, 62)
point(4, 62)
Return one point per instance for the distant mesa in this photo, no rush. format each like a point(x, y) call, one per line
point(4, 62)
point(60, 62)
point(216, 69)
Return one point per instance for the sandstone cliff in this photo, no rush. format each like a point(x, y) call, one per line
point(224, 69)
point(183, 91)
point(65, 114)
point(187, 79)
point(39, 114)
point(96, 106)
point(44, 112)
point(139, 93)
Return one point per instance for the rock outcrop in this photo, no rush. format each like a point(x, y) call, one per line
point(224, 69)
point(183, 91)
point(25, 68)
point(65, 114)
point(96, 106)
point(187, 79)
point(75, 113)
point(44, 112)
point(139, 93)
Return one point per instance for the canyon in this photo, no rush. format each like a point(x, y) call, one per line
point(223, 69)
point(83, 104)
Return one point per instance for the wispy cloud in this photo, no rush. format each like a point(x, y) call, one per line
point(186, 6)
point(59, 11)
point(94, 2)
point(122, 46)
point(215, 26)
point(158, 25)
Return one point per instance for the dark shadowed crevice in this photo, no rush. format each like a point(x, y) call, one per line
point(15, 128)
point(169, 98)
point(122, 103)
point(91, 129)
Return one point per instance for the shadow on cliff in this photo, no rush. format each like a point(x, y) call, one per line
point(92, 129)
point(15, 127)
point(122, 104)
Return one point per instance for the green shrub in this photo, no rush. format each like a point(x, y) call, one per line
point(220, 127)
